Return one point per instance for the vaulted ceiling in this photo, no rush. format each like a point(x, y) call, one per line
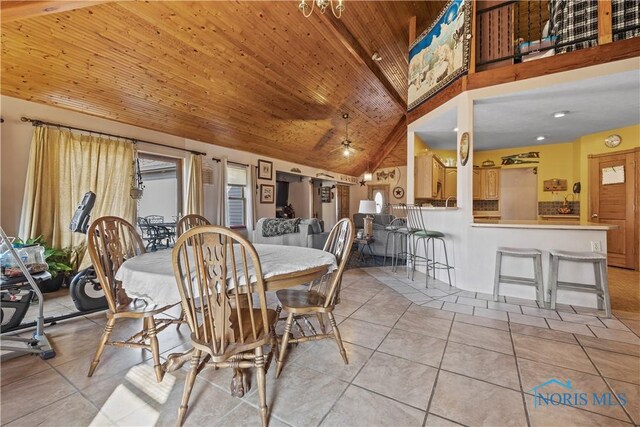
point(255, 76)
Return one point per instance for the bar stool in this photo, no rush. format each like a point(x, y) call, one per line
point(396, 228)
point(601, 287)
point(420, 233)
point(535, 255)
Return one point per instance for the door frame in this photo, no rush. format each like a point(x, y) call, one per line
point(633, 193)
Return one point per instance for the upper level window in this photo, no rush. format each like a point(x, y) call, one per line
point(236, 196)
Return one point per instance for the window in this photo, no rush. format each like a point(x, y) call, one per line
point(236, 196)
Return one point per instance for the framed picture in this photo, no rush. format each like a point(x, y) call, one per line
point(441, 54)
point(267, 193)
point(265, 169)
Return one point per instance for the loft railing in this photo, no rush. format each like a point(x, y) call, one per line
point(509, 32)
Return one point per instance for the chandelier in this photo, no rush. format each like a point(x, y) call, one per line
point(323, 5)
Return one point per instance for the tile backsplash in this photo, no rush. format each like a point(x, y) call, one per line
point(486, 205)
point(437, 203)
point(551, 208)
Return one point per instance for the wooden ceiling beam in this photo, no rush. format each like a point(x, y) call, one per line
point(393, 139)
point(16, 10)
point(360, 54)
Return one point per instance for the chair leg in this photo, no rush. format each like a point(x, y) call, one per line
point(150, 327)
point(283, 346)
point(336, 334)
point(415, 257)
point(323, 329)
point(183, 317)
point(262, 386)
point(188, 386)
point(425, 243)
point(103, 341)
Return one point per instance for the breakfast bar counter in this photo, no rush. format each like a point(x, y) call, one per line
point(557, 225)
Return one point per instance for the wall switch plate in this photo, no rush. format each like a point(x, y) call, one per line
point(596, 246)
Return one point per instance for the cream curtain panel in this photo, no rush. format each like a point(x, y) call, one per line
point(220, 193)
point(252, 195)
point(63, 165)
point(194, 202)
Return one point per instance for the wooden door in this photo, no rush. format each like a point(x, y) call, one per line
point(613, 199)
point(379, 194)
point(343, 201)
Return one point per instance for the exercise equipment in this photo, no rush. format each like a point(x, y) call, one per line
point(85, 289)
point(39, 343)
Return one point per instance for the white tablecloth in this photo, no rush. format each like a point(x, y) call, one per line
point(151, 275)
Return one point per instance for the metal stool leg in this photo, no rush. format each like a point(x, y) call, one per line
point(537, 274)
point(553, 282)
point(496, 279)
point(605, 288)
point(446, 260)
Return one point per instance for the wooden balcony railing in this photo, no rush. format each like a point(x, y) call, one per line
point(515, 40)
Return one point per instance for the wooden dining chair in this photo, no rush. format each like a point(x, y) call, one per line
point(321, 296)
point(190, 221)
point(229, 319)
point(111, 241)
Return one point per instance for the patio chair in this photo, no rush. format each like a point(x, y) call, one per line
point(160, 231)
point(320, 298)
point(111, 241)
point(212, 265)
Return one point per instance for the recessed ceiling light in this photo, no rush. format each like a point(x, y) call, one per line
point(559, 114)
point(540, 138)
point(455, 129)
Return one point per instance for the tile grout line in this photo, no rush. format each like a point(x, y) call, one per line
point(350, 382)
point(522, 394)
point(435, 381)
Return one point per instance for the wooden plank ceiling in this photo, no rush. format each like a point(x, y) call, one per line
point(255, 76)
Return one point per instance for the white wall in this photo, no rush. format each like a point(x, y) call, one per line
point(16, 137)
point(330, 210)
point(300, 197)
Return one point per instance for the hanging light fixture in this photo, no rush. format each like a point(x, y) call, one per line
point(368, 176)
point(323, 5)
point(137, 186)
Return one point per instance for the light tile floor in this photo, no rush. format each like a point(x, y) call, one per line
point(424, 357)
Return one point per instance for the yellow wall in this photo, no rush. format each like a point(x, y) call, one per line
point(447, 156)
point(566, 161)
point(556, 161)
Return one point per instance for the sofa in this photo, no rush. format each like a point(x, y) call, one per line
point(380, 221)
point(310, 234)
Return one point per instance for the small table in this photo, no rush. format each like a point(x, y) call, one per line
point(362, 244)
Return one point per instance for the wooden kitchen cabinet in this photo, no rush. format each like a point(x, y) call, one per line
point(477, 184)
point(491, 184)
point(486, 183)
point(429, 177)
point(450, 182)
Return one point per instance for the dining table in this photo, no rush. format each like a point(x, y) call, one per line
point(151, 276)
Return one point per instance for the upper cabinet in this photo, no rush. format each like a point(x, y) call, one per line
point(450, 182)
point(429, 177)
point(486, 183)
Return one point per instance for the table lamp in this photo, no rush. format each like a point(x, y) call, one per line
point(368, 207)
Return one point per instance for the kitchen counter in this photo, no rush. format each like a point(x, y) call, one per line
point(561, 217)
point(557, 225)
point(438, 208)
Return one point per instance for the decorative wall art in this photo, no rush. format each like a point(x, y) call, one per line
point(384, 175)
point(267, 193)
point(441, 54)
point(265, 169)
point(325, 194)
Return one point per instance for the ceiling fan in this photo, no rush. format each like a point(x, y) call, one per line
point(345, 146)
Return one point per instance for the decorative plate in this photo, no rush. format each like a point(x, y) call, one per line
point(464, 148)
point(398, 192)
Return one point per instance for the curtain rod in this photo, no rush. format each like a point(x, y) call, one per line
point(36, 122)
point(229, 161)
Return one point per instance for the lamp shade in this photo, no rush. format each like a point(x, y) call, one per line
point(367, 207)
